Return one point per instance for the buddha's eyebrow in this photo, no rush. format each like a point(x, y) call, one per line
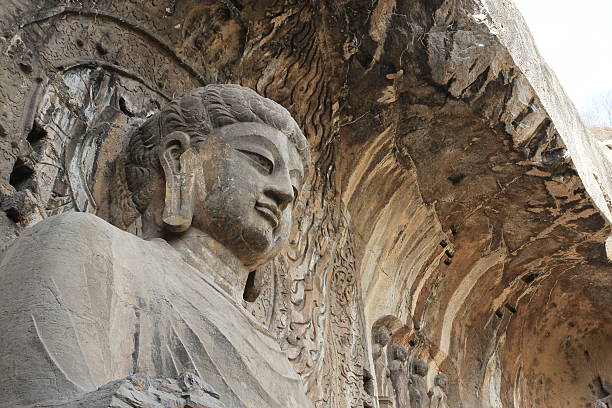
point(248, 139)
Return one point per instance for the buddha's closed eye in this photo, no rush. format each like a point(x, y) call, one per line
point(263, 163)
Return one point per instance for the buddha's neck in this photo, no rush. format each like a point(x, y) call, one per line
point(213, 260)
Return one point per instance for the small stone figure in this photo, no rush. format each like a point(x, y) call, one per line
point(437, 396)
point(399, 376)
point(418, 385)
point(382, 337)
point(603, 403)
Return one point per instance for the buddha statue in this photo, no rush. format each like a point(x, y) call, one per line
point(208, 184)
point(381, 337)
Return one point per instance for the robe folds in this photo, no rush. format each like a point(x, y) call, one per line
point(83, 303)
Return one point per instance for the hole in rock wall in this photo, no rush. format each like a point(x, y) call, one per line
point(13, 214)
point(21, 176)
point(530, 278)
point(477, 84)
point(25, 68)
point(251, 291)
point(368, 384)
point(511, 308)
point(456, 179)
point(36, 136)
point(123, 107)
point(101, 48)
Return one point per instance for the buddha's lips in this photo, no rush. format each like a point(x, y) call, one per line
point(269, 212)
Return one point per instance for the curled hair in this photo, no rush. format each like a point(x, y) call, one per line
point(197, 113)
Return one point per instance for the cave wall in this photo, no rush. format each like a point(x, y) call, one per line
point(456, 197)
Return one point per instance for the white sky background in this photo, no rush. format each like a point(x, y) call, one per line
point(575, 39)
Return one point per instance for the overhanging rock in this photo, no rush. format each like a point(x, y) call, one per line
point(457, 202)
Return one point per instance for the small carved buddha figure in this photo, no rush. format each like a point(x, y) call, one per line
point(437, 396)
point(381, 339)
point(399, 376)
point(210, 181)
point(418, 385)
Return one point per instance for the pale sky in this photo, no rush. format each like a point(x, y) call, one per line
point(575, 39)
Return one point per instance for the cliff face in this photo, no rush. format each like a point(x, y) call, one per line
point(456, 201)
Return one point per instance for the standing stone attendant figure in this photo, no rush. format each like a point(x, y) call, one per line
point(438, 397)
point(382, 338)
point(418, 385)
point(399, 376)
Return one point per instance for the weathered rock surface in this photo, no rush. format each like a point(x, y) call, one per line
point(142, 390)
point(456, 200)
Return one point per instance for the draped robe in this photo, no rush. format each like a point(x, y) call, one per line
point(83, 303)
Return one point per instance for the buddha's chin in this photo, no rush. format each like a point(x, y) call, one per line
point(260, 247)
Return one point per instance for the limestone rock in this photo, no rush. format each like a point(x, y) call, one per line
point(141, 390)
point(456, 198)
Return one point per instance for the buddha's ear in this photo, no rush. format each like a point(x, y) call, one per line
point(179, 162)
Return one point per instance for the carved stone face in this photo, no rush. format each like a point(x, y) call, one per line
point(244, 195)
point(382, 336)
point(420, 368)
point(400, 353)
point(441, 381)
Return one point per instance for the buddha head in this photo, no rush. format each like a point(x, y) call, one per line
point(223, 160)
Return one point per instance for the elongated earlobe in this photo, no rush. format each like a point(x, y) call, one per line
point(179, 162)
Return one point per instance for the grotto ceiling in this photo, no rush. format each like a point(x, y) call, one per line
point(456, 199)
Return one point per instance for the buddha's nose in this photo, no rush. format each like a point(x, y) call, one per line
point(281, 191)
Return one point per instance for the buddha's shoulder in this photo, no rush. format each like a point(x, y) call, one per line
point(72, 232)
point(84, 225)
point(76, 239)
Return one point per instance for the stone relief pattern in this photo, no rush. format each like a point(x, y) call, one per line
point(303, 308)
point(317, 312)
point(57, 87)
point(345, 351)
